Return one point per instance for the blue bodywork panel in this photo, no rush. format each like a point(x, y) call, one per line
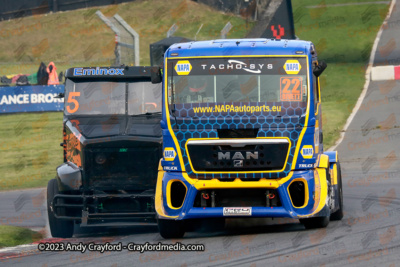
point(332, 156)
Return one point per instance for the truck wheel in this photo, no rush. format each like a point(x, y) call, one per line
point(171, 228)
point(338, 215)
point(317, 222)
point(214, 224)
point(58, 228)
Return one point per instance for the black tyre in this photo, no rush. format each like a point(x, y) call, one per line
point(317, 222)
point(338, 215)
point(214, 224)
point(171, 228)
point(58, 228)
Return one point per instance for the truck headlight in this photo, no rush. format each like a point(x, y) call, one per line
point(100, 158)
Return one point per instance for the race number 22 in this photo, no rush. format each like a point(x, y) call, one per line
point(73, 102)
point(291, 88)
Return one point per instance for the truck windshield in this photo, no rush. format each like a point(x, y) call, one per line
point(236, 82)
point(94, 97)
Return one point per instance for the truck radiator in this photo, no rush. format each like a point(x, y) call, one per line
point(243, 154)
point(121, 168)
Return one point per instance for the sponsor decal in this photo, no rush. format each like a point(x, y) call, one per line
point(306, 165)
point(97, 71)
point(237, 65)
point(183, 67)
point(169, 154)
point(292, 66)
point(170, 168)
point(307, 152)
point(291, 88)
point(233, 108)
point(30, 99)
point(244, 211)
point(73, 149)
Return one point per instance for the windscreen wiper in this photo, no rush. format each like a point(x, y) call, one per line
point(172, 93)
point(172, 90)
point(146, 114)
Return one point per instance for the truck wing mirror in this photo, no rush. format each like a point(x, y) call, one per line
point(156, 75)
point(319, 68)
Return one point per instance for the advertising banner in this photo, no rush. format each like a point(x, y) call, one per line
point(31, 98)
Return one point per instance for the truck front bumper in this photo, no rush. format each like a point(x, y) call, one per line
point(315, 196)
point(87, 209)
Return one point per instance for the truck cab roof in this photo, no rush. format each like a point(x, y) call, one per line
point(249, 47)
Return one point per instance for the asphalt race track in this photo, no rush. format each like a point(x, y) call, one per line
point(368, 235)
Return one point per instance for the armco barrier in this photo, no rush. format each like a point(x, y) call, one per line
point(31, 98)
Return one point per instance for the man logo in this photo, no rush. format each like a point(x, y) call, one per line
point(237, 155)
point(292, 66)
point(238, 163)
point(183, 67)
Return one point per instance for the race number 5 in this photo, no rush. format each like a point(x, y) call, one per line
point(72, 100)
point(291, 88)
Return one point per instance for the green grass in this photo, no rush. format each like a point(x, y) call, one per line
point(80, 38)
point(13, 236)
point(343, 36)
point(29, 143)
point(29, 149)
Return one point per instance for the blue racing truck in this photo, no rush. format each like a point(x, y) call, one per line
point(242, 135)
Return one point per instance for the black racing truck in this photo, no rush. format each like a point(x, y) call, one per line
point(112, 147)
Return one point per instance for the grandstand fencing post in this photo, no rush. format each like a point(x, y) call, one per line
point(117, 33)
point(55, 6)
point(172, 30)
point(133, 33)
point(225, 30)
point(195, 37)
point(117, 51)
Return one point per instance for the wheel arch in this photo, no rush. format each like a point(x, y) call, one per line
point(333, 156)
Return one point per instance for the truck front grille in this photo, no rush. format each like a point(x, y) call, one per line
point(233, 155)
point(131, 168)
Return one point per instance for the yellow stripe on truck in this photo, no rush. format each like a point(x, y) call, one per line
point(334, 174)
point(321, 191)
point(158, 198)
point(237, 183)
